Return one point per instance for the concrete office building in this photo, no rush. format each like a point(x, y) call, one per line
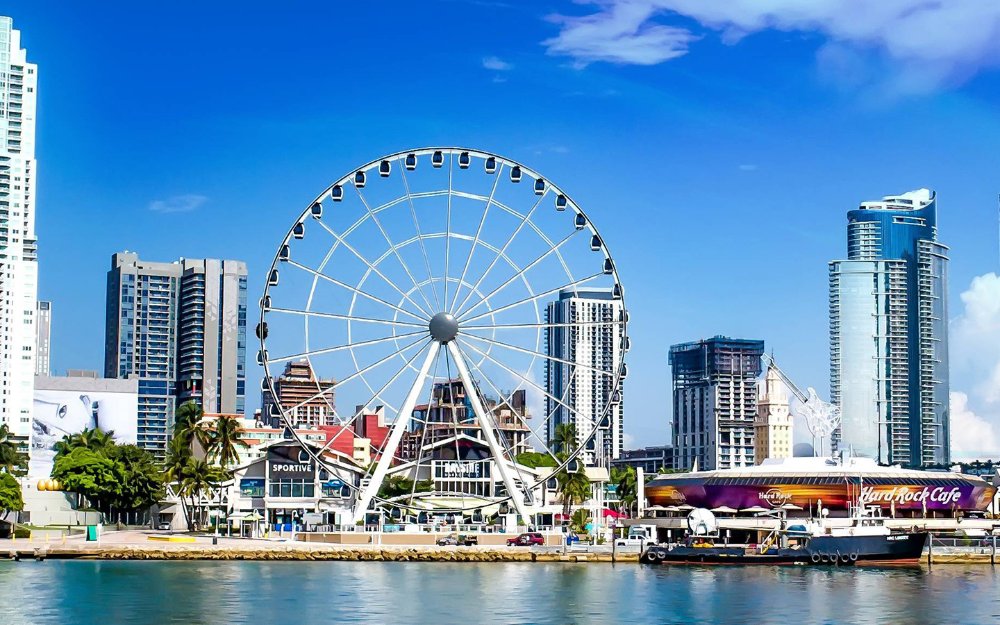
point(180, 328)
point(715, 402)
point(43, 339)
point(888, 333)
point(18, 245)
point(586, 391)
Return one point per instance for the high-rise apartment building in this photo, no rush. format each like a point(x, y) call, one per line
point(889, 334)
point(773, 429)
point(212, 312)
point(595, 346)
point(43, 338)
point(715, 402)
point(179, 327)
point(18, 245)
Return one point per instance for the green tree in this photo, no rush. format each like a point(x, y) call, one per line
point(535, 459)
point(141, 478)
point(626, 487)
point(397, 485)
point(188, 425)
point(91, 474)
point(564, 438)
point(10, 495)
point(175, 469)
point(199, 478)
point(573, 487)
point(93, 439)
point(578, 522)
point(225, 440)
point(12, 460)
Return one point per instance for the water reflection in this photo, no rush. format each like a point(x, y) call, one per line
point(39, 593)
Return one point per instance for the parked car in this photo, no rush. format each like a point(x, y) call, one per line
point(526, 540)
point(163, 526)
point(462, 540)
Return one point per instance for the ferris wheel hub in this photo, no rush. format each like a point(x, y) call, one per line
point(444, 327)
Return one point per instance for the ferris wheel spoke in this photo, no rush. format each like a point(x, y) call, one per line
point(423, 430)
point(447, 238)
point(392, 246)
point(522, 271)
point(358, 373)
point(354, 290)
point(506, 400)
point(330, 350)
point(420, 238)
point(323, 315)
point(396, 431)
point(475, 242)
point(487, 427)
point(373, 268)
point(521, 376)
point(531, 352)
point(345, 424)
point(513, 326)
point(503, 250)
point(532, 298)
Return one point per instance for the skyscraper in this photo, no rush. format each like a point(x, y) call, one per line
point(179, 327)
point(18, 246)
point(586, 391)
point(43, 339)
point(715, 402)
point(889, 335)
point(213, 312)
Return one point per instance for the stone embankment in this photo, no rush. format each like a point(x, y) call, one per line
point(298, 552)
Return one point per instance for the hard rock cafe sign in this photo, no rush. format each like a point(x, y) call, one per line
point(774, 497)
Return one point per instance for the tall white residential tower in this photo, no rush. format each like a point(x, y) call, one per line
point(18, 246)
point(597, 347)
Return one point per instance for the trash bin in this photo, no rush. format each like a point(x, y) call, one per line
point(92, 533)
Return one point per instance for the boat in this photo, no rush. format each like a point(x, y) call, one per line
point(866, 541)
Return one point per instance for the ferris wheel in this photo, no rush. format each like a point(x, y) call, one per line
point(447, 311)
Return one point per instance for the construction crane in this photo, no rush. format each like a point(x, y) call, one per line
point(821, 417)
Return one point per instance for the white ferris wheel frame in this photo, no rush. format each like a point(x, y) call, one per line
point(461, 350)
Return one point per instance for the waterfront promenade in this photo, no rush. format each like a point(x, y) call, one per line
point(149, 545)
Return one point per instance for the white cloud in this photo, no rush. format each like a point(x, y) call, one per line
point(496, 64)
point(972, 436)
point(928, 42)
point(975, 370)
point(178, 203)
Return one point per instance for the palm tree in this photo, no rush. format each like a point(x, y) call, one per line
point(624, 479)
point(175, 468)
point(199, 477)
point(573, 488)
point(225, 440)
point(564, 440)
point(188, 425)
point(12, 459)
point(95, 439)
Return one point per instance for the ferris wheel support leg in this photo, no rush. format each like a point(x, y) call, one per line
point(395, 436)
point(488, 428)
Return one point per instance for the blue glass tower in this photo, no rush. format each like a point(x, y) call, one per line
point(888, 333)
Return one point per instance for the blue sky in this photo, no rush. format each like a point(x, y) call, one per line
point(718, 149)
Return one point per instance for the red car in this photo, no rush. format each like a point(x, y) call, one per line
point(526, 540)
